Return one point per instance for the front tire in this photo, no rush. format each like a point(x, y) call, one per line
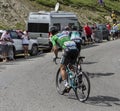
point(83, 90)
point(34, 50)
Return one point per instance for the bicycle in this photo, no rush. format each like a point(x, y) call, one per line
point(77, 79)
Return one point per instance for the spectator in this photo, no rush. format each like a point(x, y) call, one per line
point(94, 27)
point(118, 30)
point(88, 33)
point(5, 38)
point(114, 17)
point(114, 31)
point(108, 27)
point(10, 49)
point(101, 2)
point(25, 43)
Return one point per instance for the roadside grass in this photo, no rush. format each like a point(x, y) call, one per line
point(110, 4)
point(85, 7)
point(86, 10)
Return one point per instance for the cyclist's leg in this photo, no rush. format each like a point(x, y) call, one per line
point(64, 61)
point(63, 72)
point(69, 56)
point(55, 50)
point(73, 58)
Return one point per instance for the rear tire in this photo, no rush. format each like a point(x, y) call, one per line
point(83, 90)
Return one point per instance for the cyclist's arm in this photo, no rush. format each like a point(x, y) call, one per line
point(54, 43)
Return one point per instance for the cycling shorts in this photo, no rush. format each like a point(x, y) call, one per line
point(69, 56)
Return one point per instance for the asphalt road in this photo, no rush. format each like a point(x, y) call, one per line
point(29, 84)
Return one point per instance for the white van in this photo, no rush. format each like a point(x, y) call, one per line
point(39, 23)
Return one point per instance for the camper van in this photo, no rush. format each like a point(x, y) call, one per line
point(39, 23)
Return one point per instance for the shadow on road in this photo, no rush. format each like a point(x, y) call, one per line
point(18, 59)
point(99, 74)
point(89, 46)
point(89, 62)
point(103, 101)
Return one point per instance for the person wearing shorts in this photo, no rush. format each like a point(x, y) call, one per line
point(5, 38)
point(25, 43)
point(88, 32)
point(70, 51)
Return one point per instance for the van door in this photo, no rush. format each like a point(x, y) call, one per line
point(39, 31)
point(38, 27)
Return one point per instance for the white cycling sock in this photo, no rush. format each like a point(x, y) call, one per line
point(66, 83)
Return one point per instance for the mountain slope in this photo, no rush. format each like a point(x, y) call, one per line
point(13, 13)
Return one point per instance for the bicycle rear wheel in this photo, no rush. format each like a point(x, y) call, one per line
point(83, 89)
point(59, 83)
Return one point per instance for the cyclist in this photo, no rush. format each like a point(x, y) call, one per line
point(70, 51)
point(75, 36)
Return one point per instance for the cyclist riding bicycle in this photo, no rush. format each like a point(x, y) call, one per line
point(75, 36)
point(70, 51)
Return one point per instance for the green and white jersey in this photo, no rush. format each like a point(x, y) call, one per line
point(60, 39)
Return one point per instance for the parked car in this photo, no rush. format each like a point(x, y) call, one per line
point(17, 45)
point(101, 33)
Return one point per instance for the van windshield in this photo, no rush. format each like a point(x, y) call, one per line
point(38, 27)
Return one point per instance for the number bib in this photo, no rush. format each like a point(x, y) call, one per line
point(70, 44)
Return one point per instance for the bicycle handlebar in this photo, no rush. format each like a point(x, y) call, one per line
point(54, 59)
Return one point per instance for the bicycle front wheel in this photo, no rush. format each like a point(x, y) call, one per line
point(59, 83)
point(83, 89)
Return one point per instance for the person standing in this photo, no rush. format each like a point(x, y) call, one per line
point(5, 39)
point(114, 17)
point(88, 33)
point(108, 27)
point(25, 43)
point(94, 27)
point(101, 2)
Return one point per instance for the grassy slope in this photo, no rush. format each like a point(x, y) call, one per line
point(86, 10)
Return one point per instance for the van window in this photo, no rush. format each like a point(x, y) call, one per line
point(38, 27)
point(71, 24)
point(57, 25)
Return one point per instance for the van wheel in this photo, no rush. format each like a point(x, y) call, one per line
point(108, 38)
point(50, 46)
point(34, 50)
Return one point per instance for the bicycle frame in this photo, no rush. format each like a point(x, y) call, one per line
point(77, 79)
point(71, 78)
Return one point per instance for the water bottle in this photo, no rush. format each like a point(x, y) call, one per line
point(71, 75)
point(71, 78)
